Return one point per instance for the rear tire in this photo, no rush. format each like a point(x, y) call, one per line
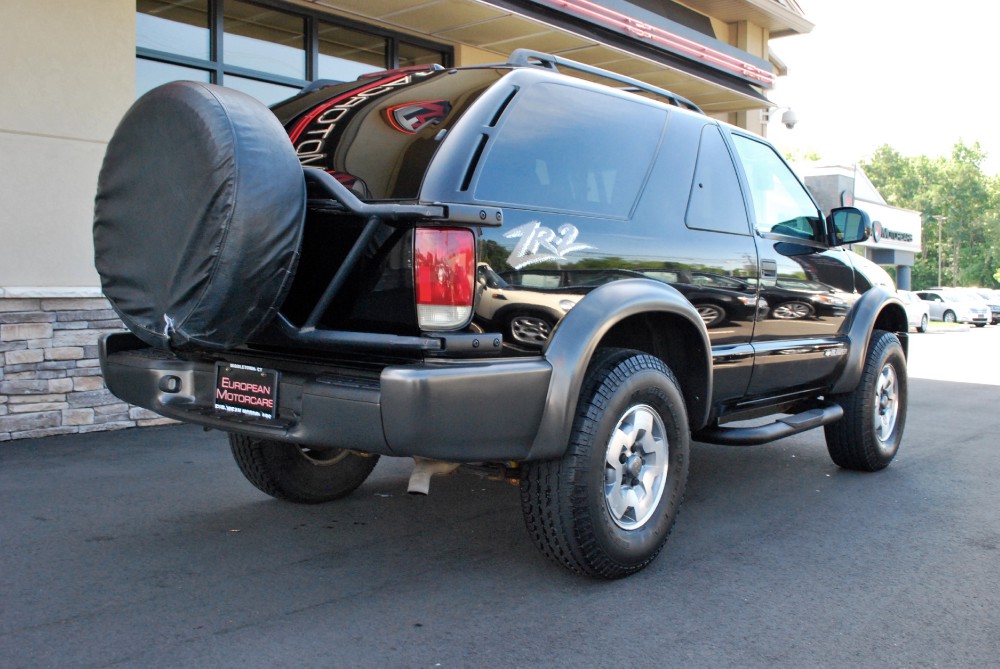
point(867, 437)
point(300, 474)
point(949, 317)
point(606, 507)
point(923, 324)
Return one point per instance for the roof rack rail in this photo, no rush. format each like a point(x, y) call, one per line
point(525, 57)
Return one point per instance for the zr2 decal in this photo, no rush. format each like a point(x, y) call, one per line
point(539, 244)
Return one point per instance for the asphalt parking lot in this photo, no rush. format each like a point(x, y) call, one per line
point(146, 548)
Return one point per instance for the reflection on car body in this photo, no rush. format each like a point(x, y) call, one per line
point(526, 316)
point(799, 298)
point(549, 293)
point(526, 304)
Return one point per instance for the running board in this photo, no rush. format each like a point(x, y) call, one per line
point(785, 426)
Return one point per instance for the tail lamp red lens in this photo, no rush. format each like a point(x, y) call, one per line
point(444, 263)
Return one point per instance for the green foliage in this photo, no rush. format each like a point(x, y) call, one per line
point(957, 190)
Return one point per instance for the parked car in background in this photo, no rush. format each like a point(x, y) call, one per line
point(918, 312)
point(953, 306)
point(992, 299)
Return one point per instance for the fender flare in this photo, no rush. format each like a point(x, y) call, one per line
point(878, 307)
point(576, 337)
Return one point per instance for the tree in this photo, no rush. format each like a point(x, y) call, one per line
point(956, 189)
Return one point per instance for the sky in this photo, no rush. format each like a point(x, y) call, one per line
point(918, 76)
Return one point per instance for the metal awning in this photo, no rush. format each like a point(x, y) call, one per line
point(501, 26)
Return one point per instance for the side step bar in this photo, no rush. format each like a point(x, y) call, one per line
point(785, 426)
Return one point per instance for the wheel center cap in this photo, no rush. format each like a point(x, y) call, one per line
point(634, 465)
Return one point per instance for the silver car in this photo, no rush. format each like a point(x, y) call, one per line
point(992, 298)
point(918, 312)
point(951, 306)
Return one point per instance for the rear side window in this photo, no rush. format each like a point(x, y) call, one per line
point(567, 149)
point(716, 201)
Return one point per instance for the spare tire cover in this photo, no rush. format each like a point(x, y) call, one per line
point(198, 218)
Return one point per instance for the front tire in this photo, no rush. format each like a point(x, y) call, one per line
point(923, 324)
point(949, 317)
point(300, 474)
point(606, 507)
point(867, 437)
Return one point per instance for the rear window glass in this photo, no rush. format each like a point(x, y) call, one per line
point(716, 201)
point(568, 149)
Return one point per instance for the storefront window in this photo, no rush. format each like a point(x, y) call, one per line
point(173, 26)
point(150, 73)
point(265, 49)
point(346, 54)
point(264, 40)
point(264, 91)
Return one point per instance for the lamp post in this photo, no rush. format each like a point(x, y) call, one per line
point(940, 219)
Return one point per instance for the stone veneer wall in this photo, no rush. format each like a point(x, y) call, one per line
point(50, 377)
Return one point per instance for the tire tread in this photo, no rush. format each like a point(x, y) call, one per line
point(554, 493)
point(283, 472)
point(850, 441)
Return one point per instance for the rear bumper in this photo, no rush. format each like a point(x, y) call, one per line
point(463, 411)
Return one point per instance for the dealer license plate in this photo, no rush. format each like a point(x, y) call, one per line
point(246, 390)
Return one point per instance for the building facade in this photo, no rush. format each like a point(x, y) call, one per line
point(73, 67)
point(897, 241)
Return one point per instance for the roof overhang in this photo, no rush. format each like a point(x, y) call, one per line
point(780, 17)
point(618, 36)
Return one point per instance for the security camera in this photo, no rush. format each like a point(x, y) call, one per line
point(790, 118)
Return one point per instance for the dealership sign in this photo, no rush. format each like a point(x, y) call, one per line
point(896, 228)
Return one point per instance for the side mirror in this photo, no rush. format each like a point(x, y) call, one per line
point(849, 225)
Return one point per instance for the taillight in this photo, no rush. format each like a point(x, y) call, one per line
point(444, 261)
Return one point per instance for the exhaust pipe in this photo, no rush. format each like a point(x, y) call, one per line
point(423, 470)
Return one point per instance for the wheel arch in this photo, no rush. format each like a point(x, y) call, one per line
point(639, 314)
point(877, 309)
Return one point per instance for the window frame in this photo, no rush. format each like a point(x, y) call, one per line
point(818, 239)
point(692, 214)
point(217, 68)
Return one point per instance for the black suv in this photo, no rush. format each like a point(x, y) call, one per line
point(551, 280)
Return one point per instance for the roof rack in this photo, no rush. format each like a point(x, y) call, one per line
point(526, 57)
